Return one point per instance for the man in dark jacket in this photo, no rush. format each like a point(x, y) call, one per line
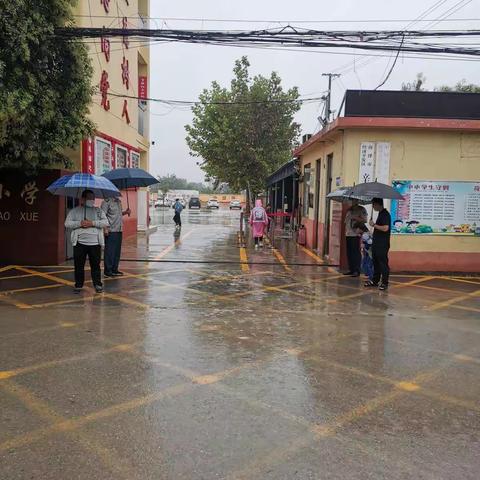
point(381, 246)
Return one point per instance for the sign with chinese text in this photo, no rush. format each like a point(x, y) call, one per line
point(121, 157)
point(382, 162)
point(142, 88)
point(441, 208)
point(134, 160)
point(31, 218)
point(103, 156)
point(367, 162)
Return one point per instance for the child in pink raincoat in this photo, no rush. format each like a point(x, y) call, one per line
point(258, 222)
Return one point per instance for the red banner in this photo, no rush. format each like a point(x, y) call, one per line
point(142, 88)
point(88, 163)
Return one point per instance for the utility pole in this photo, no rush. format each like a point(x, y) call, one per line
point(328, 99)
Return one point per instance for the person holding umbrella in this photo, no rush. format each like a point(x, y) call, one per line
point(113, 235)
point(355, 214)
point(380, 246)
point(124, 179)
point(87, 223)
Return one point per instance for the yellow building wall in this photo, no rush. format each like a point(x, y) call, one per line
point(92, 14)
point(422, 155)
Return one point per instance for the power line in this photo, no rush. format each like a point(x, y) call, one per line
point(289, 36)
point(391, 69)
point(198, 102)
point(288, 22)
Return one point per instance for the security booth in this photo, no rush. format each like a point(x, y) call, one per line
point(424, 144)
point(282, 195)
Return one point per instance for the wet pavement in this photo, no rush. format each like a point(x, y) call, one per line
point(190, 369)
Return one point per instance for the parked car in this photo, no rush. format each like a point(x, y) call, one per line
point(235, 204)
point(194, 203)
point(213, 203)
point(160, 203)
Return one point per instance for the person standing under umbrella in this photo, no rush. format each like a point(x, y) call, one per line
point(380, 246)
point(87, 223)
point(355, 214)
point(113, 242)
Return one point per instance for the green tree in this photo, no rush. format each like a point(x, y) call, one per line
point(461, 86)
point(45, 85)
point(417, 85)
point(245, 132)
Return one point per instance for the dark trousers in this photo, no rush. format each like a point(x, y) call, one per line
point(113, 249)
point(80, 253)
point(177, 219)
point(381, 269)
point(258, 240)
point(354, 254)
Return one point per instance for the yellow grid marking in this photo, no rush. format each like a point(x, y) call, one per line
point(448, 303)
point(408, 386)
point(244, 259)
point(312, 255)
point(177, 242)
point(282, 260)
point(10, 301)
point(7, 267)
point(5, 374)
point(119, 466)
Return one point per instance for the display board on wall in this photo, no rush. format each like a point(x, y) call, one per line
point(440, 208)
point(374, 162)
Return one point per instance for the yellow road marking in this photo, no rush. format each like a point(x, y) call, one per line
point(244, 260)
point(47, 276)
point(281, 259)
point(7, 267)
point(312, 254)
point(126, 300)
point(447, 303)
point(10, 301)
point(168, 249)
point(5, 374)
point(366, 291)
point(121, 467)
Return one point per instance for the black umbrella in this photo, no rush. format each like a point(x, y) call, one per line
point(343, 194)
point(369, 191)
point(125, 178)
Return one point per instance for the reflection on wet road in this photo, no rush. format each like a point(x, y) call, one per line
point(188, 368)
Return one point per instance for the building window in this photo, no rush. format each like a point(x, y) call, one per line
point(134, 160)
point(121, 156)
point(307, 176)
point(103, 156)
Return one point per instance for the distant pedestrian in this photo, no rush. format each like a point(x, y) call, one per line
point(87, 223)
point(178, 210)
point(114, 233)
point(355, 214)
point(380, 246)
point(258, 222)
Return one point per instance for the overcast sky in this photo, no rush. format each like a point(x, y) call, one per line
point(180, 71)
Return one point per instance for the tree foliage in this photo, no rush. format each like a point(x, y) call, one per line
point(419, 83)
point(245, 132)
point(172, 182)
point(45, 85)
point(416, 85)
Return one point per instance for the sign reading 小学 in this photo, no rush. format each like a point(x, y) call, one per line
point(445, 208)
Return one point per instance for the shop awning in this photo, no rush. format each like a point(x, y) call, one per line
point(285, 171)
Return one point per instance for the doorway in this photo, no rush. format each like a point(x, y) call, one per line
point(326, 230)
point(316, 221)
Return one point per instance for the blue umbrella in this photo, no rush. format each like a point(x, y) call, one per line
point(125, 178)
point(74, 185)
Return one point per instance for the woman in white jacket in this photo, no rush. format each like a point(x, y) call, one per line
point(87, 223)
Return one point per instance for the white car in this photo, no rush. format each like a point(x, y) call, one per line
point(235, 204)
point(162, 202)
point(213, 203)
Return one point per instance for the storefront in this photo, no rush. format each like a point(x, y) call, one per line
point(434, 162)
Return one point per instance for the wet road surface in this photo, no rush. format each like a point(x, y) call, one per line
point(258, 370)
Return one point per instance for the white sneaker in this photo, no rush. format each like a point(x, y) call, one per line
point(256, 246)
point(260, 244)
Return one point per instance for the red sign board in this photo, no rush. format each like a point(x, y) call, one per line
point(88, 163)
point(142, 88)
